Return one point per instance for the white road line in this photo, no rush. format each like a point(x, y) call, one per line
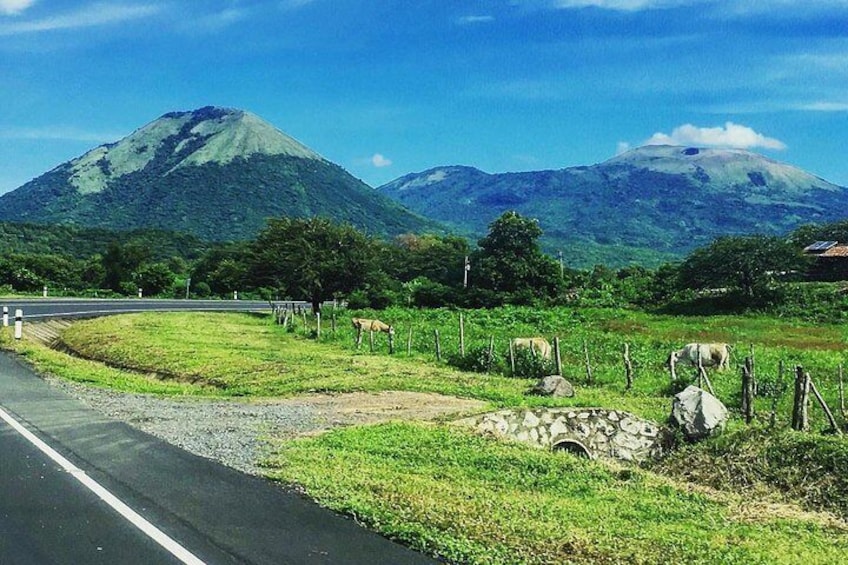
point(128, 513)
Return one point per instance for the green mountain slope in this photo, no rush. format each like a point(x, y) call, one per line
point(215, 173)
point(646, 206)
point(82, 243)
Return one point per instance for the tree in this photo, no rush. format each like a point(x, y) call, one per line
point(311, 258)
point(438, 258)
point(746, 263)
point(510, 261)
point(121, 261)
point(154, 278)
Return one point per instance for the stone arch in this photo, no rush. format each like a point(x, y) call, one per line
point(574, 447)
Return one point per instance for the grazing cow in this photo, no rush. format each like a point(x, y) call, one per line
point(537, 346)
point(712, 355)
point(366, 325)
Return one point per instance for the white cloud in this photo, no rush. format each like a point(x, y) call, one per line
point(12, 7)
point(216, 21)
point(731, 135)
point(825, 107)
point(622, 5)
point(294, 4)
point(622, 147)
point(468, 20)
point(88, 16)
point(380, 161)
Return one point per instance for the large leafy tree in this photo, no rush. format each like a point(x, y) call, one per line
point(746, 263)
point(510, 261)
point(438, 258)
point(311, 258)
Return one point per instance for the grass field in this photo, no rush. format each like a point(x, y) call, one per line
point(473, 500)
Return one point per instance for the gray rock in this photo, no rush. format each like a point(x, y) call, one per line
point(697, 413)
point(554, 385)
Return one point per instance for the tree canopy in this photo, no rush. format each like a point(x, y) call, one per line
point(311, 258)
point(747, 263)
point(510, 260)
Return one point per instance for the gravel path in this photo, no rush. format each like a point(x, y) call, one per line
point(241, 433)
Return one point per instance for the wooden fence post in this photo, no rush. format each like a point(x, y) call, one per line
point(491, 357)
point(800, 416)
point(588, 365)
point(438, 345)
point(318, 324)
point(557, 356)
point(512, 356)
point(409, 342)
point(831, 420)
point(672, 362)
point(461, 335)
point(628, 367)
point(841, 393)
point(747, 391)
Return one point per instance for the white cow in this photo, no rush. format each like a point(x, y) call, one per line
point(537, 345)
point(712, 355)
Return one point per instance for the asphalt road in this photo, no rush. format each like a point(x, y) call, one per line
point(161, 504)
point(41, 308)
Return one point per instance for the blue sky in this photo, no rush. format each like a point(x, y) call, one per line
point(385, 88)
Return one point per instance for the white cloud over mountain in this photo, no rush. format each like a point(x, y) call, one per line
point(380, 161)
point(730, 135)
point(11, 7)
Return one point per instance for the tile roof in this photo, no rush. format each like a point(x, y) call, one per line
point(838, 251)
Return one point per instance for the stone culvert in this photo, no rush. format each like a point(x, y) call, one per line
point(590, 432)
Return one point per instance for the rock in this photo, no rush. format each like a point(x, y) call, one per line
point(697, 413)
point(554, 385)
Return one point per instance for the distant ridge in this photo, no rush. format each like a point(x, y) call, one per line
point(217, 173)
point(649, 205)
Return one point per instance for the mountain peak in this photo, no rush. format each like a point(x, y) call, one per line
point(721, 166)
point(179, 139)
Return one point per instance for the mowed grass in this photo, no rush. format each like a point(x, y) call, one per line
point(469, 499)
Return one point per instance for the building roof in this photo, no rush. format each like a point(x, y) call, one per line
point(820, 247)
point(836, 251)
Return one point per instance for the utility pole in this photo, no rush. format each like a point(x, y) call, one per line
point(561, 267)
point(188, 285)
point(465, 272)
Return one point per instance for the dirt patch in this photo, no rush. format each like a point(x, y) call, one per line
point(369, 408)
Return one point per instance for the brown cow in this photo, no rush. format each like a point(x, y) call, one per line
point(537, 346)
point(367, 325)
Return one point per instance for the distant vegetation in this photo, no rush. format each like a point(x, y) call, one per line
point(318, 260)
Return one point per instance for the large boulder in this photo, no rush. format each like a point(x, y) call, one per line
point(697, 413)
point(553, 385)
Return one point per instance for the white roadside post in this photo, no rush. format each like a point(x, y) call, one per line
point(19, 324)
point(44, 292)
point(235, 295)
point(5, 316)
point(139, 293)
